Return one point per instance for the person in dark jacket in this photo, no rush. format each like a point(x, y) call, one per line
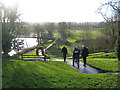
point(64, 51)
point(76, 54)
point(84, 54)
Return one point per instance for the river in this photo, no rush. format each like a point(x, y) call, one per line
point(28, 42)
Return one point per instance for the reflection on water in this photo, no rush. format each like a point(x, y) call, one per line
point(28, 42)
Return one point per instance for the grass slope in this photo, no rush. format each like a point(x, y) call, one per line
point(106, 64)
point(102, 55)
point(35, 74)
point(104, 61)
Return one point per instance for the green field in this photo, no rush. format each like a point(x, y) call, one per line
point(52, 74)
point(80, 34)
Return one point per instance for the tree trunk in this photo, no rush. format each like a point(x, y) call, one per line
point(118, 42)
point(118, 38)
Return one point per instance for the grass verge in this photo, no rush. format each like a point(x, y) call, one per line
point(107, 64)
point(52, 74)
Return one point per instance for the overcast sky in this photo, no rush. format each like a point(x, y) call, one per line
point(59, 10)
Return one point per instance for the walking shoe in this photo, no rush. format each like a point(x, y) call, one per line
point(84, 65)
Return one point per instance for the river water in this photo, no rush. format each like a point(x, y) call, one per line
point(28, 42)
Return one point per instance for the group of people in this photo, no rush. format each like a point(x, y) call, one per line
point(76, 54)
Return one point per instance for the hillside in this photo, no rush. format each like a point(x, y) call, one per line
point(52, 74)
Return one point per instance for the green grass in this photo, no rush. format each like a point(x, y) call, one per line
point(103, 55)
point(32, 52)
point(33, 74)
point(80, 34)
point(104, 61)
point(96, 31)
point(107, 64)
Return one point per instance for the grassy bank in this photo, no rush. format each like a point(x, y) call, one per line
point(35, 74)
point(104, 61)
point(106, 64)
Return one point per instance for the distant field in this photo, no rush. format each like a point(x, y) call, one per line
point(75, 35)
point(80, 34)
point(35, 74)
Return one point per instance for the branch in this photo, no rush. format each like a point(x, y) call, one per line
point(104, 17)
point(114, 7)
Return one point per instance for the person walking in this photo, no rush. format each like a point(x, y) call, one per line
point(76, 54)
point(84, 54)
point(64, 51)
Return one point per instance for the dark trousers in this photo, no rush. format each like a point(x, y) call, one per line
point(64, 56)
point(84, 59)
point(77, 60)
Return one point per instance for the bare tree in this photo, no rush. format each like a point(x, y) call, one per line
point(11, 24)
point(50, 27)
point(62, 26)
point(115, 6)
point(40, 32)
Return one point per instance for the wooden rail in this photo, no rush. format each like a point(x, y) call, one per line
point(33, 57)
